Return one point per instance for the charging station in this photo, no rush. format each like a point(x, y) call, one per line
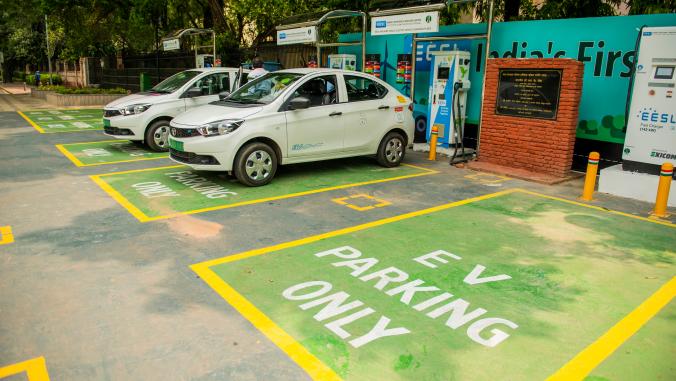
point(449, 83)
point(651, 123)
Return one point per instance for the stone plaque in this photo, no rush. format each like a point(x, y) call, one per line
point(529, 93)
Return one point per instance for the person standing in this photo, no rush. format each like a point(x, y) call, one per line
point(258, 70)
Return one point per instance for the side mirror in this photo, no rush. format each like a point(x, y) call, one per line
point(193, 92)
point(223, 95)
point(299, 103)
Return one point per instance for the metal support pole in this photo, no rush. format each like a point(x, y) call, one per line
point(194, 40)
point(489, 28)
point(213, 36)
point(363, 42)
point(49, 59)
point(414, 48)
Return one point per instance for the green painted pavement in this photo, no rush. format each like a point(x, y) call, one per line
point(67, 120)
point(159, 193)
point(575, 272)
point(109, 152)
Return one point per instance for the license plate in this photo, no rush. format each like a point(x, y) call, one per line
point(106, 122)
point(175, 144)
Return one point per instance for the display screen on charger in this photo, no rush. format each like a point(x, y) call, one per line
point(664, 72)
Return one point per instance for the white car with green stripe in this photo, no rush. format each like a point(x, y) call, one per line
point(145, 117)
point(294, 116)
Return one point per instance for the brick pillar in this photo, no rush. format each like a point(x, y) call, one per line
point(537, 145)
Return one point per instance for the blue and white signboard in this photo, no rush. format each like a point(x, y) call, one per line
point(297, 35)
point(423, 22)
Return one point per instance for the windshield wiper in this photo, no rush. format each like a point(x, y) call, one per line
point(160, 91)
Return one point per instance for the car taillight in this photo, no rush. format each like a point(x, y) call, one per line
point(410, 107)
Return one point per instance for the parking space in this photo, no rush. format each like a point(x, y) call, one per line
point(165, 192)
point(524, 283)
point(107, 152)
point(66, 120)
point(547, 287)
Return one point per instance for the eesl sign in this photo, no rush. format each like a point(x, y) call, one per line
point(297, 35)
point(423, 22)
point(172, 44)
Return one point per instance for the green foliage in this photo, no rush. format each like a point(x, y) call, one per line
point(44, 78)
point(82, 90)
point(638, 7)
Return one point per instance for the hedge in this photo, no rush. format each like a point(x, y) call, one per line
point(44, 78)
point(82, 90)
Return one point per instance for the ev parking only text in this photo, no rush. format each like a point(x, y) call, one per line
point(480, 326)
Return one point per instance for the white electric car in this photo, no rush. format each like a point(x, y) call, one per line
point(294, 116)
point(144, 117)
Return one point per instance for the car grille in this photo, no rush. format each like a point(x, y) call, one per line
point(117, 131)
point(183, 132)
point(192, 158)
point(110, 113)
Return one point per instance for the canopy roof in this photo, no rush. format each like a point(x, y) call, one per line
point(186, 32)
point(316, 18)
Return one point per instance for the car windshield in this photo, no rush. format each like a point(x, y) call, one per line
point(263, 90)
point(174, 82)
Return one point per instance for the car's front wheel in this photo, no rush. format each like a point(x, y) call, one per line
point(255, 164)
point(157, 136)
point(391, 150)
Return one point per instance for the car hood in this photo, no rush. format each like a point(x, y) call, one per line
point(137, 98)
point(211, 113)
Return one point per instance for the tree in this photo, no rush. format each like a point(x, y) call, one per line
point(639, 7)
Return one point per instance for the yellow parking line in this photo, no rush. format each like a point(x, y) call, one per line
point(582, 364)
point(136, 212)
point(70, 156)
point(36, 369)
point(6, 235)
point(38, 128)
point(79, 163)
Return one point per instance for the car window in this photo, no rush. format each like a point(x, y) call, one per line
point(363, 89)
point(175, 82)
point(265, 89)
point(213, 84)
point(321, 91)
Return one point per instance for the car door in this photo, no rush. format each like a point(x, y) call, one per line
point(210, 86)
point(318, 130)
point(367, 112)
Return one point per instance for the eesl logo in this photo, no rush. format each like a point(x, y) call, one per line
point(652, 115)
point(647, 33)
point(282, 36)
point(428, 19)
point(381, 24)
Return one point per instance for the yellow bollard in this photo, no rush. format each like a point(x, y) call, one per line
point(434, 135)
point(590, 179)
point(666, 173)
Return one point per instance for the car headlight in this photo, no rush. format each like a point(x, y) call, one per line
point(134, 109)
point(220, 127)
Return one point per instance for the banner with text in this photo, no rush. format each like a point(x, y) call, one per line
point(297, 35)
point(424, 22)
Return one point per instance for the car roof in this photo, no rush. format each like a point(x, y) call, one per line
point(305, 70)
point(208, 69)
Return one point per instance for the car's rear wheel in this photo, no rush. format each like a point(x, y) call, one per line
point(391, 150)
point(157, 136)
point(255, 164)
